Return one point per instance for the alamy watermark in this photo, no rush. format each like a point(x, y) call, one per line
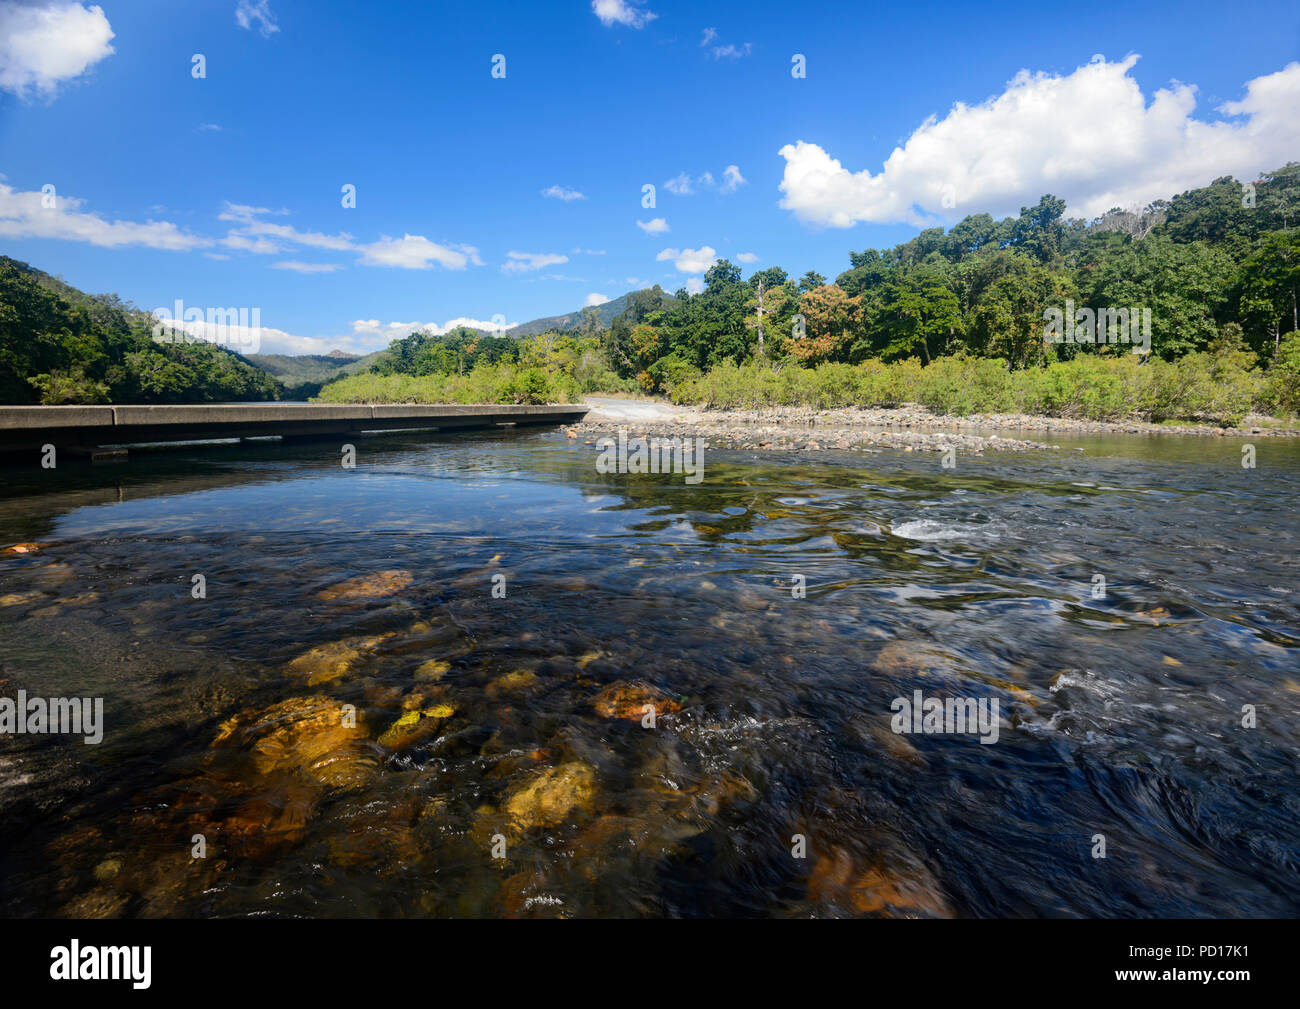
point(1103, 325)
point(652, 455)
point(953, 715)
point(75, 716)
point(237, 329)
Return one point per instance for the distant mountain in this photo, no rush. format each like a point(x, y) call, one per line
point(606, 313)
point(303, 374)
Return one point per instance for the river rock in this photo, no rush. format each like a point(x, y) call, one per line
point(548, 799)
point(627, 700)
point(376, 586)
point(329, 662)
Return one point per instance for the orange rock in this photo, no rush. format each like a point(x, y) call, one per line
point(548, 799)
point(328, 662)
point(376, 586)
point(309, 736)
point(835, 880)
point(628, 699)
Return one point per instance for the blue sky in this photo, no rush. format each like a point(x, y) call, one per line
point(225, 190)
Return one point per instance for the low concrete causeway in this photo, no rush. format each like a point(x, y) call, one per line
point(90, 427)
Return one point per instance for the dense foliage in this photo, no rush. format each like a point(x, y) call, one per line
point(58, 345)
point(1224, 255)
point(466, 366)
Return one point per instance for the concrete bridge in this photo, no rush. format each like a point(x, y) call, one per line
point(88, 430)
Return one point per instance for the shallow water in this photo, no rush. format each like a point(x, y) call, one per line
point(1120, 715)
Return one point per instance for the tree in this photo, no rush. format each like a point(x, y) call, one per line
point(811, 280)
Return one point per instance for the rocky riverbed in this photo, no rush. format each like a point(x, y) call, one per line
point(795, 429)
point(907, 428)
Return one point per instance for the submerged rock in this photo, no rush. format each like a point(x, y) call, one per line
point(838, 882)
point(376, 586)
point(314, 737)
point(434, 670)
point(519, 680)
point(415, 726)
point(627, 700)
point(548, 799)
point(329, 662)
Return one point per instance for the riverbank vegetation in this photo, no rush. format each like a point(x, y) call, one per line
point(955, 320)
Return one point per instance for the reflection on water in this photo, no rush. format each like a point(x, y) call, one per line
point(487, 725)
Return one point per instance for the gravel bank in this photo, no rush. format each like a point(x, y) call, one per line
point(906, 428)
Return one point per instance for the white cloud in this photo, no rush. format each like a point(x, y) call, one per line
point(732, 179)
point(208, 128)
point(259, 246)
point(251, 227)
point(589, 252)
point(520, 262)
point(694, 285)
point(249, 339)
point(44, 44)
point(690, 260)
point(240, 211)
point(594, 299)
point(377, 334)
point(709, 35)
point(297, 267)
point(732, 52)
point(1090, 137)
point(23, 215)
point(560, 193)
point(654, 226)
point(620, 12)
point(684, 185)
point(681, 185)
point(248, 11)
point(415, 252)
point(746, 257)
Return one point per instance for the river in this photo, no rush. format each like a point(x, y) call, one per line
point(493, 614)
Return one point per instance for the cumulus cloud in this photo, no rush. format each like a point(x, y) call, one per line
point(247, 339)
point(690, 260)
point(44, 44)
point(560, 193)
point(594, 299)
point(620, 12)
point(249, 11)
point(415, 252)
point(1090, 137)
point(694, 285)
point(654, 226)
point(746, 257)
point(38, 215)
point(521, 262)
point(372, 332)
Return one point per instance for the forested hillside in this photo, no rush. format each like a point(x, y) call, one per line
point(59, 345)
